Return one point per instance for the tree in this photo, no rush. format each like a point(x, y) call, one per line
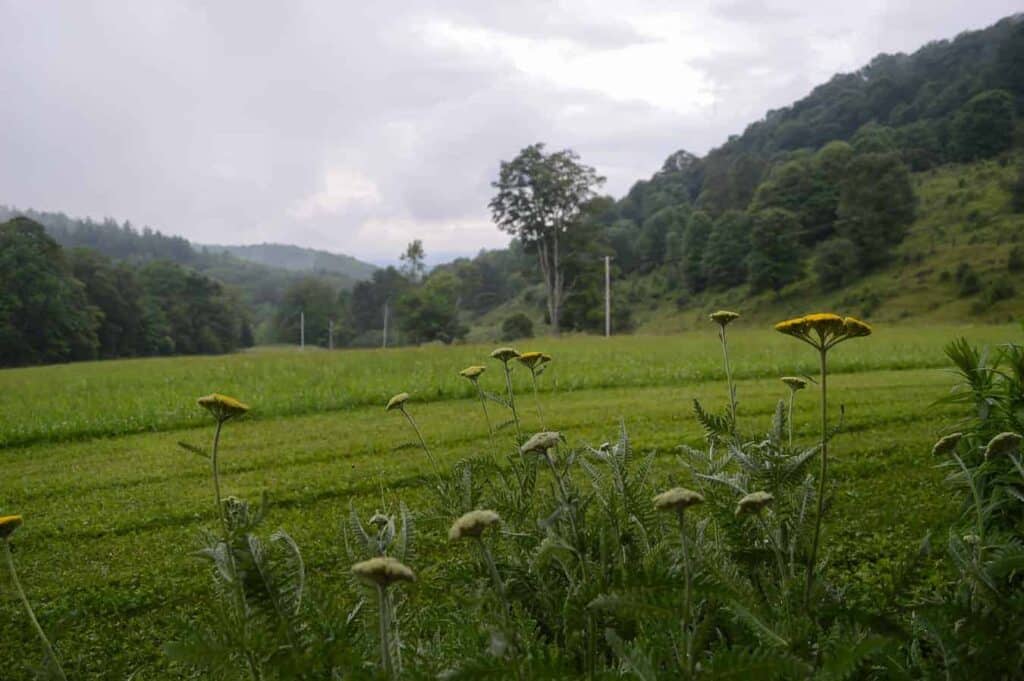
point(876, 203)
point(774, 259)
point(725, 256)
point(430, 313)
point(540, 198)
point(984, 126)
point(695, 240)
point(317, 300)
point(114, 290)
point(44, 313)
point(836, 263)
point(412, 261)
point(516, 326)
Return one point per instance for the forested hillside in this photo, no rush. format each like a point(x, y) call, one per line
point(902, 163)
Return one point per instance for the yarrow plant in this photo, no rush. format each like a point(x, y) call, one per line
point(822, 331)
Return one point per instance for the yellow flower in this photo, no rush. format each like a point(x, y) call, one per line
point(946, 444)
point(534, 359)
point(677, 499)
point(473, 524)
point(823, 329)
point(504, 354)
point(397, 401)
point(794, 382)
point(383, 571)
point(724, 317)
point(222, 407)
point(754, 502)
point(541, 443)
point(855, 328)
point(1003, 444)
point(472, 372)
point(8, 524)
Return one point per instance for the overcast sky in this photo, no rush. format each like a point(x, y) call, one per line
point(359, 126)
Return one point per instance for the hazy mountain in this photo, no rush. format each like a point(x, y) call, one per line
point(298, 259)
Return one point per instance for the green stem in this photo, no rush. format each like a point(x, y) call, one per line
point(792, 397)
point(687, 602)
point(385, 629)
point(512, 402)
point(216, 480)
point(499, 586)
point(423, 443)
point(728, 377)
point(812, 560)
point(31, 613)
point(487, 416)
point(536, 398)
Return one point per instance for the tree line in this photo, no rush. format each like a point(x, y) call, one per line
point(59, 305)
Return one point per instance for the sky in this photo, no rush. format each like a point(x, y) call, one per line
point(357, 127)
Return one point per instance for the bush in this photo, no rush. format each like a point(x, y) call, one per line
point(517, 326)
point(1000, 289)
point(835, 263)
point(1015, 261)
point(968, 279)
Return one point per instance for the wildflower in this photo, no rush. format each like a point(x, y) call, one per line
point(946, 444)
point(8, 524)
point(383, 571)
point(222, 407)
point(504, 354)
point(541, 443)
point(532, 360)
point(823, 329)
point(1003, 444)
point(971, 539)
point(677, 499)
point(794, 382)
point(397, 402)
point(472, 372)
point(754, 502)
point(724, 317)
point(473, 524)
point(855, 328)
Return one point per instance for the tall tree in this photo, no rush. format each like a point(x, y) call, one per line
point(876, 203)
point(774, 259)
point(540, 198)
point(412, 260)
point(44, 314)
point(725, 256)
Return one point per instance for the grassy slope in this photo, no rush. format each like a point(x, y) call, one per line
point(111, 521)
point(971, 223)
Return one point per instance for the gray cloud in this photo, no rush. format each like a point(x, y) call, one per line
point(359, 126)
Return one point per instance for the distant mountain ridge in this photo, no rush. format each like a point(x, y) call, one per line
point(297, 259)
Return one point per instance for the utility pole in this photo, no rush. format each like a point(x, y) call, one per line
point(607, 296)
point(384, 340)
point(302, 330)
point(330, 334)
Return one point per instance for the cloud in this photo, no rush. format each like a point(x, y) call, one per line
point(357, 127)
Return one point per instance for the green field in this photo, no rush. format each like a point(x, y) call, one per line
point(113, 507)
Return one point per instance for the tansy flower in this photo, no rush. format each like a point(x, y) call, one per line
point(534, 359)
point(794, 382)
point(397, 401)
point(754, 502)
point(383, 571)
point(724, 317)
point(222, 407)
point(856, 328)
point(8, 524)
point(946, 444)
point(541, 443)
point(472, 372)
point(1003, 444)
point(504, 354)
point(473, 524)
point(823, 329)
point(677, 499)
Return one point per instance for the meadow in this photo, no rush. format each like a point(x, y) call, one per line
point(113, 506)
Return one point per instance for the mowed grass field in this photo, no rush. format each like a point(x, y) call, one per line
point(113, 506)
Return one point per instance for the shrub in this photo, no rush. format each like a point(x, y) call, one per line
point(516, 326)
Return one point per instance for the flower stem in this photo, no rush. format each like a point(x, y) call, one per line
point(536, 398)
point(512, 401)
point(813, 558)
point(792, 398)
point(728, 377)
point(487, 416)
point(50, 653)
point(687, 604)
point(423, 443)
point(385, 629)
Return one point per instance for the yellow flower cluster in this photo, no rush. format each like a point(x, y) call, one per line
point(724, 317)
point(383, 571)
point(677, 499)
point(504, 354)
point(397, 401)
point(533, 360)
point(222, 407)
point(472, 372)
point(823, 329)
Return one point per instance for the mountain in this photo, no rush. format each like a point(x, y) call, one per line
point(298, 259)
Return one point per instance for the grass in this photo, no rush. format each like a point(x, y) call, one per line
point(111, 521)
